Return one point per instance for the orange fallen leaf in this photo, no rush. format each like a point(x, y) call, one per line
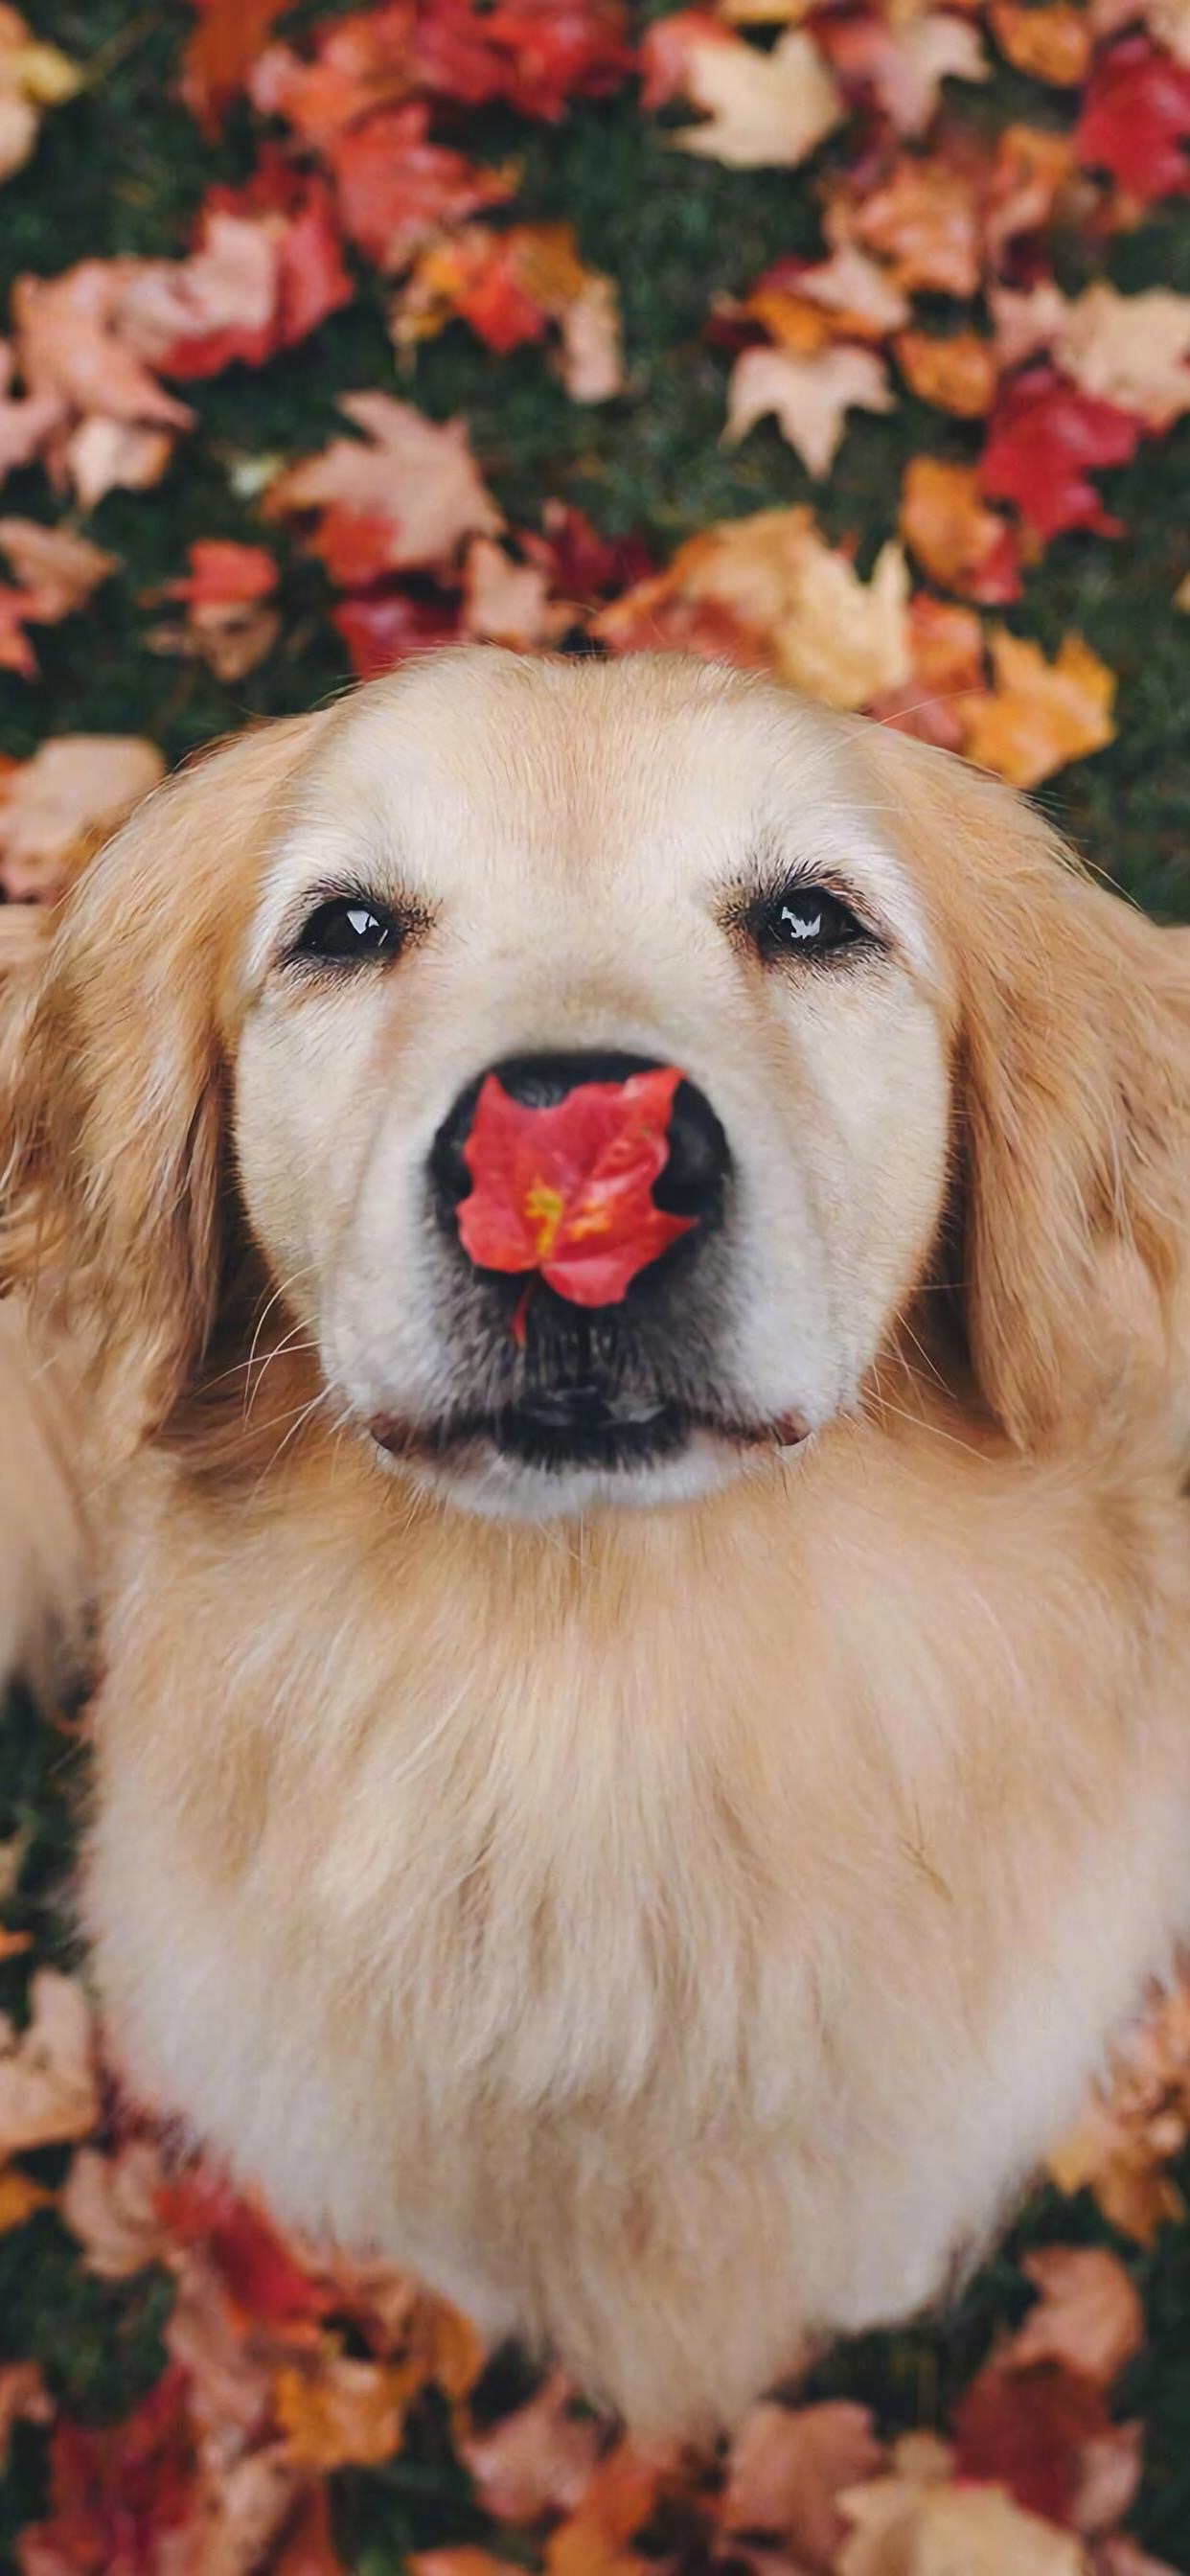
point(413, 481)
point(20, 2196)
point(1128, 2135)
point(622, 2494)
point(925, 220)
point(335, 2411)
point(1088, 2318)
point(1050, 43)
point(761, 110)
point(308, 2548)
point(70, 345)
point(946, 652)
point(810, 396)
point(48, 2083)
point(512, 288)
point(1039, 715)
point(1033, 177)
point(957, 373)
point(61, 567)
point(59, 807)
point(787, 2468)
point(958, 539)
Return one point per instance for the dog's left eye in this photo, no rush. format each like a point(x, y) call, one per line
point(348, 929)
point(804, 921)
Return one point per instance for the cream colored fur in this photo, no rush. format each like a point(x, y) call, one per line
point(675, 1912)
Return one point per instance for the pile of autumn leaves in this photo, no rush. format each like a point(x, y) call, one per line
point(282, 2369)
point(360, 162)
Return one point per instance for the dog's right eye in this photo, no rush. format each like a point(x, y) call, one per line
point(350, 930)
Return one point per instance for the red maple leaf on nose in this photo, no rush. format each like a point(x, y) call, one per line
point(567, 1191)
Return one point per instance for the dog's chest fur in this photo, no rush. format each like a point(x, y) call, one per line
point(575, 1915)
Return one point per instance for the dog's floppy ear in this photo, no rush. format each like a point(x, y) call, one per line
point(111, 1162)
point(1070, 1213)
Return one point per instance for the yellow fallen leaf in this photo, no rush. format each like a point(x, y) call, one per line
point(1039, 714)
point(809, 395)
point(762, 110)
point(843, 639)
point(938, 2529)
point(768, 592)
point(764, 13)
point(1130, 349)
point(1181, 597)
point(33, 76)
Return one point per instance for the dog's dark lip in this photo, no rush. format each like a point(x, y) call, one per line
point(526, 1434)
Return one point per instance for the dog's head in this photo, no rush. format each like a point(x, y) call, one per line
point(916, 1051)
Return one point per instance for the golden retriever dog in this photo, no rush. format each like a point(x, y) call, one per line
point(651, 1811)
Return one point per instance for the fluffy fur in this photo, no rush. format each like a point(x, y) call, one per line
point(671, 1907)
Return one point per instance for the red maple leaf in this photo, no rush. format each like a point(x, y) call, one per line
point(1044, 440)
point(396, 188)
point(584, 566)
point(254, 2263)
point(221, 52)
point(567, 1191)
point(1027, 2430)
point(224, 573)
point(1135, 120)
point(116, 2493)
point(383, 627)
point(296, 210)
point(557, 50)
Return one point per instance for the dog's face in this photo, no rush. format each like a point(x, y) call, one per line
point(916, 1051)
point(563, 873)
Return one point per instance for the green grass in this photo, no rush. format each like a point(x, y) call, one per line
point(122, 169)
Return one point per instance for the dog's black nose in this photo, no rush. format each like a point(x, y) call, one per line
point(691, 1184)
